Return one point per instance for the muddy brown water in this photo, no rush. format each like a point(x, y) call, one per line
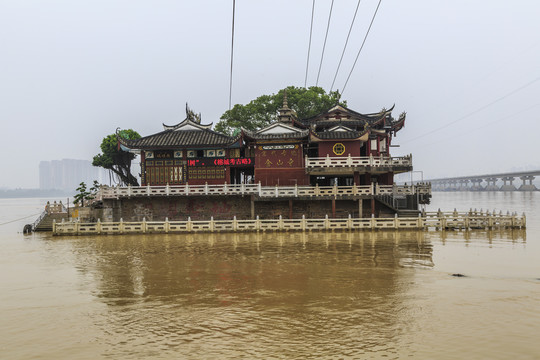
point(382, 294)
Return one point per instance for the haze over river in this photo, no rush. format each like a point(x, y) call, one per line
point(386, 294)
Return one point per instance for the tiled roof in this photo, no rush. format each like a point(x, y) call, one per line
point(339, 134)
point(291, 135)
point(344, 122)
point(175, 139)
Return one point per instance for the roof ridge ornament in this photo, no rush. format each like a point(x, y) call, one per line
point(286, 114)
point(190, 115)
point(285, 102)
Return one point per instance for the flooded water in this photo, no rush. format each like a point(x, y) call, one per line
point(387, 294)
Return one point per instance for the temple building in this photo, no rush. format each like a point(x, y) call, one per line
point(336, 164)
point(191, 152)
point(287, 152)
point(290, 151)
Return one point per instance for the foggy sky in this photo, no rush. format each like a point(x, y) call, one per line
point(466, 72)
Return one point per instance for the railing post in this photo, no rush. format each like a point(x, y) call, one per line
point(234, 224)
point(54, 226)
point(326, 222)
point(189, 225)
point(98, 226)
point(187, 188)
point(280, 222)
point(370, 159)
point(167, 189)
point(225, 189)
point(148, 190)
point(349, 160)
point(296, 190)
point(260, 189)
point(303, 222)
point(129, 190)
point(277, 191)
point(242, 188)
point(206, 188)
point(396, 222)
point(143, 226)
point(166, 225)
point(443, 221)
point(211, 224)
point(317, 191)
point(258, 223)
point(349, 222)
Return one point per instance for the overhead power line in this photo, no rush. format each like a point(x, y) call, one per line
point(232, 53)
point(472, 131)
point(475, 111)
point(324, 45)
point(361, 47)
point(309, 46)
point(346, 42)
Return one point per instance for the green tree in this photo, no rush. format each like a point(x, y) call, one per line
point(263, 110)
point(115, 159)
point(82, 194)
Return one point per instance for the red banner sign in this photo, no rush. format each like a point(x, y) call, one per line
point(221, 162)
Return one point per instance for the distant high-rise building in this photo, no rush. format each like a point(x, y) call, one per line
point(67, 174)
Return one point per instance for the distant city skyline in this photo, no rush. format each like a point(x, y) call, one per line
point(67, 174)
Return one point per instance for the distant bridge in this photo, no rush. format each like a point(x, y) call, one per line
point(476, 182)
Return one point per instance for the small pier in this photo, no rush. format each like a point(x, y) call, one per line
point(53, 213)
point(430, 220)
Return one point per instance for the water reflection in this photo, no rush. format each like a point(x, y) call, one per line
point(262, 295)
point(252, 292)
point(478, 237)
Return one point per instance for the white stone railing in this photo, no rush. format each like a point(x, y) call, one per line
point(430, 220)
point(261, 191)
point(357, 161)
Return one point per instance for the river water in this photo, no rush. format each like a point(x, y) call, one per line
point(335, 295)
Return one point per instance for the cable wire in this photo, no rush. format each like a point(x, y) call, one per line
point(361, 47)
point(26, 217)
point(346, 42)
point(324, 45)
point(471, 131)
point(309, 46)
point(232, 53)
point(475, 111)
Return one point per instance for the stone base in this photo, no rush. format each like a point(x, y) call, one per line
point(527, 188)
point(492, 188)
point(508, 188)
point(477, 188)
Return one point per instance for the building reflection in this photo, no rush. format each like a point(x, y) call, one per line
point(355, 289)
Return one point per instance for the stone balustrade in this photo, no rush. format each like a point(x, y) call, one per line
point(262, 191)
point(435, 220)
point(357, 161)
